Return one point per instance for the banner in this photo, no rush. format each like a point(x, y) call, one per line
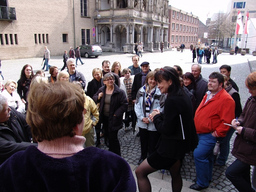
point(239, 24)
point(246, 23)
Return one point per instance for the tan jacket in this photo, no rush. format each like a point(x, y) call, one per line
point(91, 116)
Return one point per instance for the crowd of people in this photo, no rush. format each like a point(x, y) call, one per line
point(205, 53)
point(50, 124)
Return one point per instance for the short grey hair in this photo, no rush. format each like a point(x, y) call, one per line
point(108, 75)
point(71, 60)
point(3, 100)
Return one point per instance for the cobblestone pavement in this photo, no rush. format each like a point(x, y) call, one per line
point(130, 144)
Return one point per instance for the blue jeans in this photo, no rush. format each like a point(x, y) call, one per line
point(200, 59)
point(239, 174)
point(214, 59)
point(225, 148)
point(79, 60)
point(203, 156)
point(46, 64)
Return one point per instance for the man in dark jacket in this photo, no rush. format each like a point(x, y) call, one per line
point(201, 83)
point(15, 133)
point(226, 70)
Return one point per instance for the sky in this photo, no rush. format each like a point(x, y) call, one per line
point(202, 8)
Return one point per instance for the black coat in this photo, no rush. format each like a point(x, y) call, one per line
point(118, 105)
point(15, 135)
point(93, 86)
point(136, 85)
point(172, 144)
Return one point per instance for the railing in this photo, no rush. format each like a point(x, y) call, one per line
point(7, 13)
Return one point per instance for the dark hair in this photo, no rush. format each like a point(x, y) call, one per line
point(190, 76)
point(169, 73)
point(52, 69)
point(218, 76)
point(105, 61)
point(179, 70)
point(22, 74)
point(225, 67)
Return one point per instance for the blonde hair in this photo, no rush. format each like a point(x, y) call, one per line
point(114, 66)
point(96, 70)
point(61, 74)
point(8, 82)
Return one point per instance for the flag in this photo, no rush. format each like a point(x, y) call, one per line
point(246, 24)
point(239, 24)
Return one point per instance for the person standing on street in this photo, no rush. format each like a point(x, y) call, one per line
point(78, 56)
point(65, 58)
point(244, 148)
point(46, 58)
point(216, 109)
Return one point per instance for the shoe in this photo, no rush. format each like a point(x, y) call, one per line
point(82, 63)
point(197, 187)
point(133, 130)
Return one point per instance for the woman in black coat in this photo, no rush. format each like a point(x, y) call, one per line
point(113, 104)
point(176, 129)
point(24, 82)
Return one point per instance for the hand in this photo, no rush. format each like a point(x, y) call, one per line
point(23, 101)
point(235, 123)
point(145, 120)
point(154, 112)
point(238, 129)
point(134, 101)
point(100, 95)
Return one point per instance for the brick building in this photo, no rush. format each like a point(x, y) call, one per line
point(183, 28)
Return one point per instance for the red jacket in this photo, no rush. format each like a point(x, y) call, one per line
point(211, 116)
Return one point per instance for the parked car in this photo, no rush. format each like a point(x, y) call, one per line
point(90, 50)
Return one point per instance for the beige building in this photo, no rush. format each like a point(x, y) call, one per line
point(183, 28)
point(26, 27)
point(121, 23)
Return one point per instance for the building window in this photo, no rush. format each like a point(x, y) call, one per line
point(64, 38)
point(11, 39)
point(88, 35)
point(177, 38)
point(181, 16)
point(180, 27)
point(1, 39)
point(83, 8)
point(172, 38)
point(83, 36)
point(239, 5)
point(177, 15)
point(173, 26)
point(6, 39)
point(180, 39)
point(177, 27)
point(173, 14)
point(35, 37)
point(43, 37)
point(16, 39)
point(47, 38)
point(39, 38)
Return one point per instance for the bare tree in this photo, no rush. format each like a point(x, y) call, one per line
point(217, 29)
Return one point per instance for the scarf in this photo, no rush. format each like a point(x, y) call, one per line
point(149, 95)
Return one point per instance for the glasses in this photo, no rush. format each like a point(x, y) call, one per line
point(109, 79)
